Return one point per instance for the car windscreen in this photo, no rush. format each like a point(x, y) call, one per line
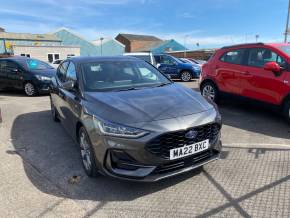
point(120, 75)
point(34, 64)
point(286, 49)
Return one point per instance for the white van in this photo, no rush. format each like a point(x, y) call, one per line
point(146, 56)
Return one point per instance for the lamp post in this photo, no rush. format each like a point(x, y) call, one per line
point(257, 37)
point(287, 22)
point(101, 45)
point(185, 46)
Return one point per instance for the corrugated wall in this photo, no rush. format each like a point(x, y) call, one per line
point(87, 48)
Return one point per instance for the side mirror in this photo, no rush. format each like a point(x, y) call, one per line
point(69, 85)
point(272, 66)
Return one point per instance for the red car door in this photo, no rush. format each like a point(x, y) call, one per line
point(228, 71)
point(260, 84)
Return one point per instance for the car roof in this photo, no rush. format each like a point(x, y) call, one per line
point(16, 58)
point(137, 53)
point(255, 44)
point(87, 59)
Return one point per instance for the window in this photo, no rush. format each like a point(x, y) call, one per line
point(11, 66)
point(25, 55)
point(52, 57)
point(61, 71)
point(233, 57)
point(70, 55)
point(167, 60)
point(2, 65)
point(71, 72)
point(258, 57)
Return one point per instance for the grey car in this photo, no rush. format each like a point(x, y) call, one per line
point(132, 122)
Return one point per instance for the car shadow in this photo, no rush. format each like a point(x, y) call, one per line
point(48, 151)
point(254, 117)
point(14, 93)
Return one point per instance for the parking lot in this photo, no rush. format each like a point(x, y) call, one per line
point(42, 176)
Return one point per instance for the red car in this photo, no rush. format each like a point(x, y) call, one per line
point(257, 71)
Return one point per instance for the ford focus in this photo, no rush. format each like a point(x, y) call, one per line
point(132, 122)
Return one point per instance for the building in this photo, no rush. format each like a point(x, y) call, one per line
point(46, 47)
point(106, 47)
point(145, 43)
point(202, 54)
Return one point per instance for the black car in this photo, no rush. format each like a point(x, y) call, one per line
point(131, 121)
point(30, 75)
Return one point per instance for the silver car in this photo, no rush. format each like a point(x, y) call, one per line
point(131, 121)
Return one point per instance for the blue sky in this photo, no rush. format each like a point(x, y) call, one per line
point(211, 23)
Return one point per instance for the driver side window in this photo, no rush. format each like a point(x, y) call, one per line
point(258, 57)
point(167, 60)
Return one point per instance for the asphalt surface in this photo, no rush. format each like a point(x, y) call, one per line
point(41, 173)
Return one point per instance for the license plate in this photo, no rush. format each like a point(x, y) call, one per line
point(189, 150)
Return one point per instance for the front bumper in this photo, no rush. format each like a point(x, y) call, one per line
point(43, 87)
point(132, 159)
point(147, 173)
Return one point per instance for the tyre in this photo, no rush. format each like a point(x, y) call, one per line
point(29, 89)
point(210, 91)
point(286, 111)
point(54, 113)
point(185, 76)
point(87, 153)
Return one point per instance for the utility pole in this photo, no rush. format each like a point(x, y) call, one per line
point(101, 45)
point(287, 22)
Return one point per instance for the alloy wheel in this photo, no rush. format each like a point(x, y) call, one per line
point(208, 91)
point(185, 76)
point(85, 151)
point(29, 89)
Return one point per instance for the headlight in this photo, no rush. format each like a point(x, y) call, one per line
point(196, 68)
point(43, 78)
point(118, 130)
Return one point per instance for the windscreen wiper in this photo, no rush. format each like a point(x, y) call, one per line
point(128, 89)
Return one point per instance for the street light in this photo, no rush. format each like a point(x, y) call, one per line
point(287, 22)
point(101, 45)
point(257, 37)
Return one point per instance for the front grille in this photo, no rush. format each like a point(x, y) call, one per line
point(186, 162)
point(161, 145)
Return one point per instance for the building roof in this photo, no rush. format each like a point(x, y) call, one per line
point(105, 40)
point(150, 46)
point(134, 37)
point(29, 36)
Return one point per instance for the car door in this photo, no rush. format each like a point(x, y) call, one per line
point(15, 75)
point(71, 101)
point(168, 65)
point(3, 74)
point(261, 84)
point(229, 69)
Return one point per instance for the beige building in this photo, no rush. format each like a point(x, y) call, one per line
point(47, 53)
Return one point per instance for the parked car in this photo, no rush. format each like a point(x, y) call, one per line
point(130, 121)
point(176, 68)
point(193, 61)
point(146, 56)
point(56, 63)
point(28, 74)
point(256, 71)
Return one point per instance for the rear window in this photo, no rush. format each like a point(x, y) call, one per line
point(233, 57)
point(143, 57)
